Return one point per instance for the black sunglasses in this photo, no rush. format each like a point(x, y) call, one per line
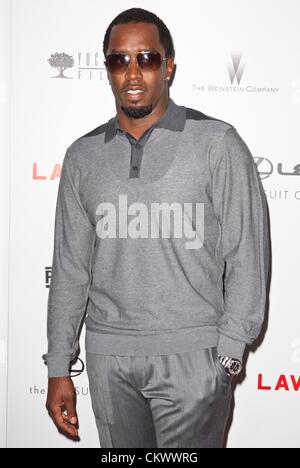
point(148, 61)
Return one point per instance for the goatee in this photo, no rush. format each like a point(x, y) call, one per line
point(137, 112)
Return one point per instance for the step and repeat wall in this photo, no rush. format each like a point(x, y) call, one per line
point(237, 61)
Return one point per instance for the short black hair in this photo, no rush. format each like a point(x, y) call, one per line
point(139, 15)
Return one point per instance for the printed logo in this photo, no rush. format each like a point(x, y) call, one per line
point(266, 169)
point(77, 368)
point(283, 382)
point(264, 166)
point(48, 271)
point(38, 175)
point(87, 65)
point(236, 68)
point(61, 62)
point(166, 220)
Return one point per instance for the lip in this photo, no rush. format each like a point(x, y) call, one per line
point(134, 97)
point(133, 88)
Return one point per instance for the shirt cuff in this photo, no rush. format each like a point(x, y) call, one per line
point(231, 348)
point(58, 366)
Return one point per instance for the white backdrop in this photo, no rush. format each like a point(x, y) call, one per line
point(262, 100)
point(5, 38)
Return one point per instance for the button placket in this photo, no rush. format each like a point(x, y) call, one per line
point(135, 161)
point(137, 147)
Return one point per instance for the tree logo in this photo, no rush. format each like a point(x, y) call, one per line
point(61, 62)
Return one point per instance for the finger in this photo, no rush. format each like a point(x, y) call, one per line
point(67, 421)
point(62, 424)
point(66, 418)
point(70, 410)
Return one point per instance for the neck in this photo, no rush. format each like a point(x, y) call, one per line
point(136, 127)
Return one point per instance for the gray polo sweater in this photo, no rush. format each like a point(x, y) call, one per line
point(160, 244)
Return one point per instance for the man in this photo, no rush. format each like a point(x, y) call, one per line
point(161, 238)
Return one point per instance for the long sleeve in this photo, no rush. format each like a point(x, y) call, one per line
point(240, 205)
point(74, 238)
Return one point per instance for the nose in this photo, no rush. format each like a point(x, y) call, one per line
point(133, 70)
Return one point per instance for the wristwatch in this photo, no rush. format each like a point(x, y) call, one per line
point(231, 365)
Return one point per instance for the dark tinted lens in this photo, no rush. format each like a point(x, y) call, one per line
point(149, 60)
point(117, 62)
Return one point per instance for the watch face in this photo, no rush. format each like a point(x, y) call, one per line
point(235, 367)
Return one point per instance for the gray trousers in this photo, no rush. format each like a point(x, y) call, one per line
point(167, 401)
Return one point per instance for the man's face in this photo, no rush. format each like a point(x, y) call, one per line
point(132, 38)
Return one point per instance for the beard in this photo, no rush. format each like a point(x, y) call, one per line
point(137, 112)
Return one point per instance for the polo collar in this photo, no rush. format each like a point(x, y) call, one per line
point(173, 119)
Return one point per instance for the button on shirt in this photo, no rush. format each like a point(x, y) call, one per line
point(137, 148)
point(139, 158)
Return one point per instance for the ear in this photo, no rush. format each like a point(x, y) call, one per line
point(169, 68)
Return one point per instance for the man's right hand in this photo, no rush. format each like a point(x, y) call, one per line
point(61, 405)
